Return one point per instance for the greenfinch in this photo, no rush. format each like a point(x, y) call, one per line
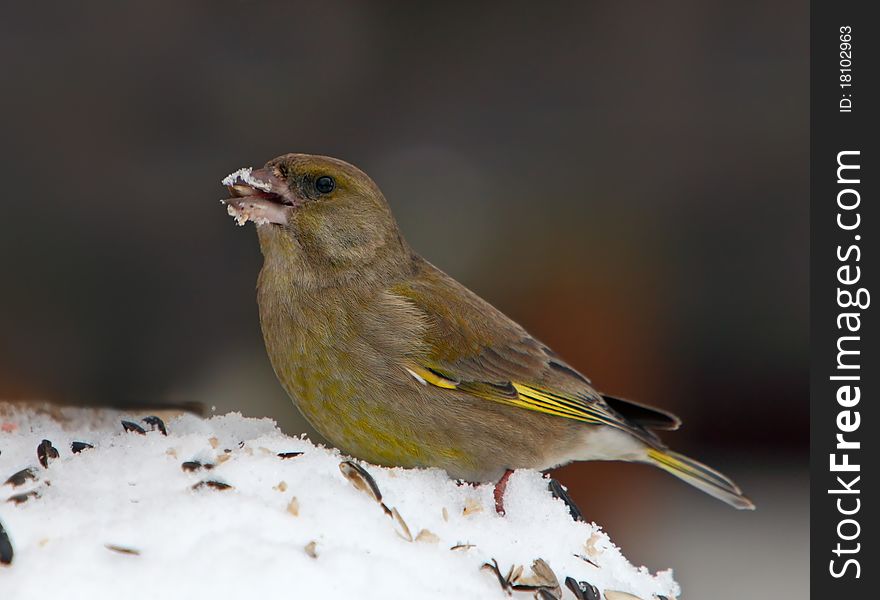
point(398, 364)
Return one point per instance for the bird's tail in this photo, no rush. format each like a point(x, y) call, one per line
point(700, 476)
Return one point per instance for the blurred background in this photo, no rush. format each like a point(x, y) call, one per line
point(627, 180)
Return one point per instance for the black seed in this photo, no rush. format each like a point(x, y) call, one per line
point(155, 423)
point(289, 454)
point(122, 549)
point(582, 590)
point(560, 492)
point(45, 451)
point(19, 498)
point(17, 479)
point(217, 485)
point(129, 426)
point(77, 447)
point(5, 547)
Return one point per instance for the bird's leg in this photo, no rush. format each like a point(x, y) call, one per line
point(499, 491)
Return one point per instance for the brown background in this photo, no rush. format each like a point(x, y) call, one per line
point(629, 181)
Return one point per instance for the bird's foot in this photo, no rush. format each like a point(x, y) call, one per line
point(500, 487)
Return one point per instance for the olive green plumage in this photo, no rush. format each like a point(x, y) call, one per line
point(398, 364)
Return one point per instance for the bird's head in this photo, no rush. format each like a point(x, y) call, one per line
point(319, 211)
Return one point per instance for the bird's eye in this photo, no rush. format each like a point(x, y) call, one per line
point(325, 184)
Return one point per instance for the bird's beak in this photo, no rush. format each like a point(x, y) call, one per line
point(258, 195)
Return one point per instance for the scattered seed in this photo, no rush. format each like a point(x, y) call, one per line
point(77, 447)
point(613, 595)
point(592, 550)
point(515, 573)
point(223, 458)
point(445, 514)
point(17, 479)
point(194, 465)
point(217, 485)
point(503, 581)
point(542, 578)
point(463, 547)
point(587, 560)
point(133, 427)
point(289, 454)
point(558, 491)
point(281, 487)
point(214, 442)
point(155, 423)
point(312, 549)
point(404, 528)
point(6, 552)
point(45, 451)
point(171, 452)
point(542, 569)
point(19, 498)
point(471, 506)
point(428, 537)
point(360, 479)
point(293, 507)
point(123, 550)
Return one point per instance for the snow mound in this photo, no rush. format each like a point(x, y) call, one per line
point(230, 507)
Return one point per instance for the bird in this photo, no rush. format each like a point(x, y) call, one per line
point(398, 364)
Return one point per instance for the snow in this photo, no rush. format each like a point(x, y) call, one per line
point(244, 175)
point(122, 519)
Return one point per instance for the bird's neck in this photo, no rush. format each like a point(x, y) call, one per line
point(285, 259)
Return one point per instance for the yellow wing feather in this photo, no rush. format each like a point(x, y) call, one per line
point(524, 396)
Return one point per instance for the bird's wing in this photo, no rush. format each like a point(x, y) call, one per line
point(469, 346)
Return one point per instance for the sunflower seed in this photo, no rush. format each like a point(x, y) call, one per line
point(582, 590)
point(558, 491)
point(133, 427)
point(77, 447)
point(6, 552)
point(45, 451)
point(360, 479)
point(19, 498)
point(17, 479)
point(155, 423)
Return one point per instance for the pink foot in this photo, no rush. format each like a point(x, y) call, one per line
point(499, 491)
